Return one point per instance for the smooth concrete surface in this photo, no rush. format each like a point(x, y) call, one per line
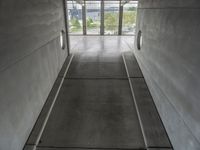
point(65, 66)
point(93, 114)
point(152, 126)
point(105, 44)
point(155, 133)
point(32, 140)
point(99, 56)
point(30, 60)
point(97, 67)
point(169, 60)
point(134, 70)
point(100, 113)
point(44, 148)
point(36, 129)
point(29, 147)
point(159, 149)
point(169, 4)
point(27, 26)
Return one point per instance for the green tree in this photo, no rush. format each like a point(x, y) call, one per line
point(132, 9)
point(129, 18)
point(75, 23)
point(111, 21)
point(90, 22)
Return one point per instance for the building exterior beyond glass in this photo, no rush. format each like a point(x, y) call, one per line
point(102, 17)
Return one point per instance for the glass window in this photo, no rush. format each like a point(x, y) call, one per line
point(111, 17)
point(75, 17)
point(93, 15)
point(129, 18)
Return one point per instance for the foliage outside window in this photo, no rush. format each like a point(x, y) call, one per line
point(93, 14)
point(93, 17)
point(111, 17)
point(129, 18)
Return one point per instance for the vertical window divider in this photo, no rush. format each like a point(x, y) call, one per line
point(102, 18)
point(84, 17)
point(120, 17)
point(66, 26)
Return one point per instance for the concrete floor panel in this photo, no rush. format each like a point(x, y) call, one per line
point(93, 114)
point(159, 149)
point(57, 148)
point(87, 43)
point(97, 67)
point(95, 108)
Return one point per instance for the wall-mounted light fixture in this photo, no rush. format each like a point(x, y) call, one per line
point(139, 40)
point(62, 42)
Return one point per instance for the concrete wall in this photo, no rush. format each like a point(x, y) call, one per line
point(170, 61)
point(30, 59)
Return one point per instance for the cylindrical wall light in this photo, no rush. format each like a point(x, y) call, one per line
point(62, 41)
point(139, 40)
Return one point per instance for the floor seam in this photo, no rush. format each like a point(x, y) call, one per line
point(114, 148)
point(96, 78)
point(51, 108)
point(135, 103)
